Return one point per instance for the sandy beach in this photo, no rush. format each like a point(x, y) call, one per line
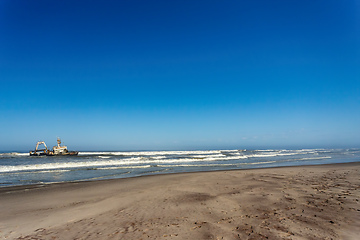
point(306, 202)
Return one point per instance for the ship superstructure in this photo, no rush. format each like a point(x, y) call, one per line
point(60, 150)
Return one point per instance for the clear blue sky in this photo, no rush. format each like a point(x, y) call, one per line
point(131, 75)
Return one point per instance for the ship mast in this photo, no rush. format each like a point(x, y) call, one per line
point(58, 142)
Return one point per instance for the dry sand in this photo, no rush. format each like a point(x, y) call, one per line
point(308, 202)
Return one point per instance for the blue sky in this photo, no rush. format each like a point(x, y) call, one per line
point(169, 75)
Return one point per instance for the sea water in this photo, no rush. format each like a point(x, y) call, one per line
point(22, 169)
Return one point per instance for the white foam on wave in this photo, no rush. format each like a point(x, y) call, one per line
point(205, 156)
point(292, 152)
point(195, 165)
point(151, 153)
point(213, 165)
point(126, 167)
point(278, 153)
point(265, 150)
point(59, 165)
point(158, 157)
point(211, 158)
point(208, 159)
point(314, 158)
point(118, 162)
point(42, 171)
point(14, 154)
point(262, 155)
point(139, 159)
point(54, 171)
point(231, 151)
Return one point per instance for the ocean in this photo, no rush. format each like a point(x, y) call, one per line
point(21, 169)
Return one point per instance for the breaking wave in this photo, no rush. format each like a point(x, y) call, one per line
point(20, 168)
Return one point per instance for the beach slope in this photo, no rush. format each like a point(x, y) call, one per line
point(306, 202)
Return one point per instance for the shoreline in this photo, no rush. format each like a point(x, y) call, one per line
point(38, 185)
point(297, 202)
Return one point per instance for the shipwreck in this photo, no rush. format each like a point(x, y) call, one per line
point(56, 150)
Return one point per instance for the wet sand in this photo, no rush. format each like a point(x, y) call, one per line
point(307, 202)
